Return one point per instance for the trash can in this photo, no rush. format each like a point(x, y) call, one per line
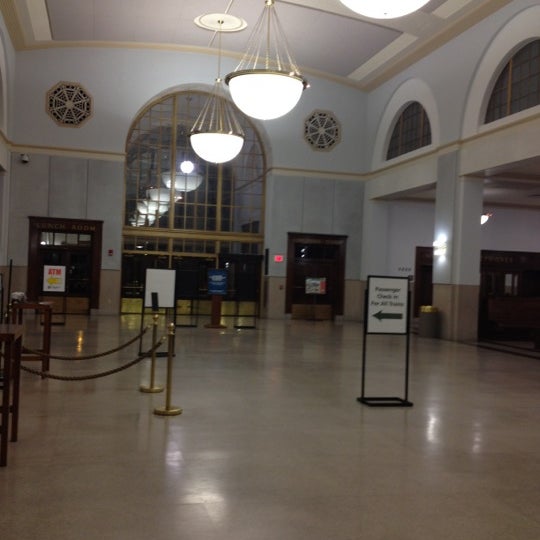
point(428, 324)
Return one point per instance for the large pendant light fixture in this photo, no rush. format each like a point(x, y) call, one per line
point(217, 136)
point(267, 83)
point(384, 9)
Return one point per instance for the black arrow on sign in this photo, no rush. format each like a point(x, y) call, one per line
point(380, 315)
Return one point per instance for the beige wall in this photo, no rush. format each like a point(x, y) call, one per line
point(355, 292)
point(275, 297)
point(109, 297)
point(458, 311)
point(109, 292)
point(275, 294)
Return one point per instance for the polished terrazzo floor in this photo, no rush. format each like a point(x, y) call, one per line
point(272, 443)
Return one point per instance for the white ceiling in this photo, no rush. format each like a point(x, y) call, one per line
point(325, 38)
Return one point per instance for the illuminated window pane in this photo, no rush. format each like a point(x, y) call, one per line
point(169, 213)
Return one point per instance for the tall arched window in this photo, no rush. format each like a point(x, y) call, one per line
point(518, 86)
point(182, 212)
point(411, 131)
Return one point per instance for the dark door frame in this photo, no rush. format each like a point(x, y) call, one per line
point(494, 266)
point(340, 241)
point(40, 225)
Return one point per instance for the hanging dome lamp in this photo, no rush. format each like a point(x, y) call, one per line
point(267, 83)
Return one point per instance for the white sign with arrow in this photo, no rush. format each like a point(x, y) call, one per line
point(387, 305)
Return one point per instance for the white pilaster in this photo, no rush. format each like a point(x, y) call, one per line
point(456, 260)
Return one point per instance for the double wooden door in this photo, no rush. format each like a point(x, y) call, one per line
point(315, 276)
point(72, 249)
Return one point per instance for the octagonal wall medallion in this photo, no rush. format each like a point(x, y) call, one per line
point(322, 131)
point(69, 104)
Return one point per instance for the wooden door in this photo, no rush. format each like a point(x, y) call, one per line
point(315, 276)
point(75, 246)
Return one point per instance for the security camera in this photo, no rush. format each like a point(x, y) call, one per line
point(25, 158)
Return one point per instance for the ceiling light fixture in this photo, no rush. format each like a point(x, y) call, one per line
point(384, 9)
point(217, 136)
point(267, 83)
point(183, 182)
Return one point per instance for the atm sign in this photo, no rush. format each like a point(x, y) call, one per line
point(54, 278)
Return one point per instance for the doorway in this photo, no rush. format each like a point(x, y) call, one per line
point(315, 276)
point(509, 298)
point(71, 247)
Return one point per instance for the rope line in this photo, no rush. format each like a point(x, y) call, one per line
point(90, 356)
point(47, 375)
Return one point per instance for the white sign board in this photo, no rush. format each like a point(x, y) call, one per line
point(161, 282)
point(387, 305)
point(316, 285)
point(54, 278)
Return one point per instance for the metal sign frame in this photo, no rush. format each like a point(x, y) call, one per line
point(387, 305)
point(159, 292)
point(386, 311)
point(217, 281)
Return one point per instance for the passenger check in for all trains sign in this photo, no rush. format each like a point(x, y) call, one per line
point(387, 305)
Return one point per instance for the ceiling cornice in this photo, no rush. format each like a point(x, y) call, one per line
point(423, 48)
point(9, 14)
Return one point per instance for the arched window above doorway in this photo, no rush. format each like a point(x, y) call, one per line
point(518, 86)
point(412, 130)
point(181, 212)
point(170, 189)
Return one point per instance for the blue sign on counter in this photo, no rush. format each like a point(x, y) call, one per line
point(217, 282)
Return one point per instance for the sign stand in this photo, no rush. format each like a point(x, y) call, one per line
point(217, 289)
point(386, 311)
point(159, 292)
point(314, 287)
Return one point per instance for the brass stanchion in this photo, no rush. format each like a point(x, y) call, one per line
point(152, 388)
point(168, 410)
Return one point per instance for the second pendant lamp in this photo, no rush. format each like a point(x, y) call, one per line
point(216, 135)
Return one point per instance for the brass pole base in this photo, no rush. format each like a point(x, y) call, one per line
point(151, 389)
point(173, 411)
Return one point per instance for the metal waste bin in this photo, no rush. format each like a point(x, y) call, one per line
point(428, 324)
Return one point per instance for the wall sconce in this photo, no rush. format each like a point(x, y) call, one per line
point(485, 217)
point(440, 246)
